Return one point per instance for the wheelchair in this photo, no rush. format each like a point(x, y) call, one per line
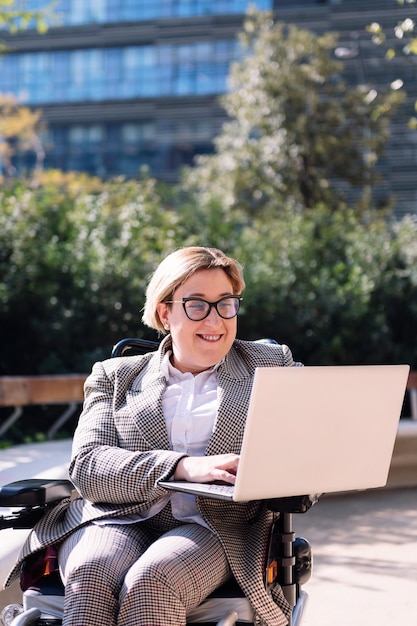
point(288, 559)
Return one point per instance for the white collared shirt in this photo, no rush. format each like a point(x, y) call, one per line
point(190, 408)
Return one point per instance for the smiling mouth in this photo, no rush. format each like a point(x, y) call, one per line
point(210, 337)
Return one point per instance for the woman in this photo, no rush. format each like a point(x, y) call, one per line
point(132, 553)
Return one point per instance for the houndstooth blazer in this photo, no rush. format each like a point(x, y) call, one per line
point(121, 451)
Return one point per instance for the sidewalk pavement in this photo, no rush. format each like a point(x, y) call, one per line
point(49, 459)
point(364, 558)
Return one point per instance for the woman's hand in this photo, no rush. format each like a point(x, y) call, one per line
point(205, 469)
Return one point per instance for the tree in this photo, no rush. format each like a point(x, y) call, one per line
point(75, 256)
point(404, 42)
point(19, 132)
point(19, 126)
point(14, 17)
point(297, 132)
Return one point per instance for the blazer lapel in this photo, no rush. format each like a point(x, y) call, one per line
point(235, 385)
point(144, 403)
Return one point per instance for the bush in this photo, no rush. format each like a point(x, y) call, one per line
point(337, 288)
point(74, 264)
point(76, 254)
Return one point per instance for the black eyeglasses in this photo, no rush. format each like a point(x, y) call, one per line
point(197, 309)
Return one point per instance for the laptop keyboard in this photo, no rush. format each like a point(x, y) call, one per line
point(219, 488)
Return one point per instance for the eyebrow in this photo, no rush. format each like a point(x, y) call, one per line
point(200, 295)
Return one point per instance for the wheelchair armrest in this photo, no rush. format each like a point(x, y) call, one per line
point(34, 492)
point(292, 504)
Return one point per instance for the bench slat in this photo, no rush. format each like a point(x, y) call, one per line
point(24, 390)
point(63, 389)
point(412, 380)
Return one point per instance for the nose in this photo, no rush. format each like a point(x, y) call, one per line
point(213, 316)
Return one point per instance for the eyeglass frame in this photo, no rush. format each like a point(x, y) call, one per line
point(184, 301)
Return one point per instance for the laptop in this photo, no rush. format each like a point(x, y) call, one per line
point(314, 430)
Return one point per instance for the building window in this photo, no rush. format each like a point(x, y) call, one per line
point(126, 147)
point(74, 12)
point(118, 73)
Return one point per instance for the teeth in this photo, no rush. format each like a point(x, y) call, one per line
point(211, 337)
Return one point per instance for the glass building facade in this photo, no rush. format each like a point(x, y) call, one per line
point(119, 73)
point(74, 12)
point(124, 84)
point(123, 148)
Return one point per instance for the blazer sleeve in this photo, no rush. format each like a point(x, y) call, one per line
point(112, 461)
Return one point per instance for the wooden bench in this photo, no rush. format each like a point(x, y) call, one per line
point(412, 392)
point(403, 469)
point(21, 391)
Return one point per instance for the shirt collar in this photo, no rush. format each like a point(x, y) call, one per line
point(171, 372)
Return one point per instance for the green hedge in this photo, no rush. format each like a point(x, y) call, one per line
point(75, 256)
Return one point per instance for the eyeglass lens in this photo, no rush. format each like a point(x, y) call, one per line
point(199, 309)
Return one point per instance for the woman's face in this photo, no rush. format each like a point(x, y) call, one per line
point(197, 346)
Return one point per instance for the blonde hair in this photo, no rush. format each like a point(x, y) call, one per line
point(176, 268)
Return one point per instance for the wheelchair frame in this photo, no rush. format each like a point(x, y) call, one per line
point(288, 560)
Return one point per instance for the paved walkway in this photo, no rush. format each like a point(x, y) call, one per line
point(40, 460)
point(365, 559)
